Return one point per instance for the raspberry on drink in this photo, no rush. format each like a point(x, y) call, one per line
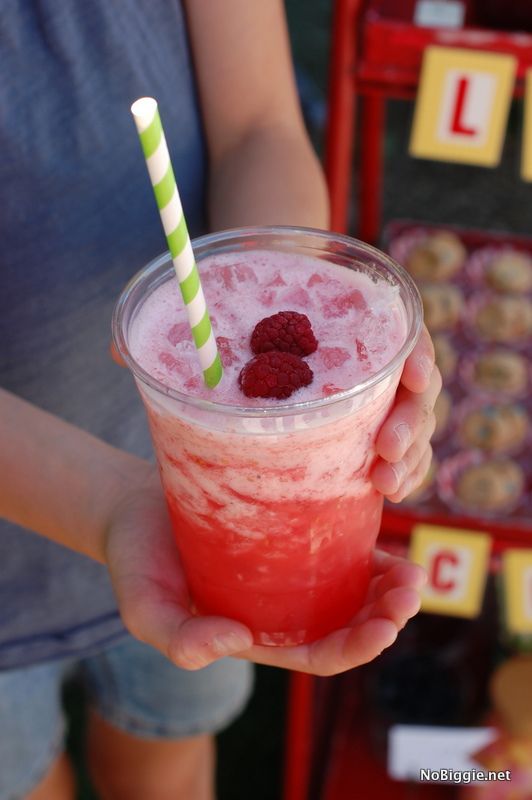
point(274, 374)
point(287, 332)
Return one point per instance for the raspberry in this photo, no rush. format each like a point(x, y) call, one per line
point(287, 332)
point(274, 374)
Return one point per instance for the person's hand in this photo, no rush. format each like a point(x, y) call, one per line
point(152, 596)
point(403, 443)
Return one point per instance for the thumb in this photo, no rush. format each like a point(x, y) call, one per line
point(162, 622)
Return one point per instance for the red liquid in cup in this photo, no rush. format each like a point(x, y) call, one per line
point(273, 512)
point(290, 568)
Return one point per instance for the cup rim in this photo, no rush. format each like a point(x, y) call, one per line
point(205, 243)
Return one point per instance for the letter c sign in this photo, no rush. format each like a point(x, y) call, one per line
point(517, 587)
point(456, 562)
point(443, 570)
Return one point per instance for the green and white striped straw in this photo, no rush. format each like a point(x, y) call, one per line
point(152, 139)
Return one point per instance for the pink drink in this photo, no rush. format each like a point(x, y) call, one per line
point(273, 511)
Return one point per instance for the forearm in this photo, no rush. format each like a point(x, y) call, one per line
point(58, 480)
point(272, 177)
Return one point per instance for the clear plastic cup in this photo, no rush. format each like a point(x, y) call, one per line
point(273, 512)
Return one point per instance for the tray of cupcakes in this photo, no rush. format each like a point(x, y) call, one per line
point(476, 289)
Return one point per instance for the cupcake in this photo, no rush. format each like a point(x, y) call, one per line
point(510, 271)
point(437, 257)
point(495, 428)
point(502, 319)
point(445, 355)
point(442, 306)
point(500, 371)
point(491, 486)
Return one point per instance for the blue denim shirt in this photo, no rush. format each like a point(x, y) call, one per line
point(77, 220)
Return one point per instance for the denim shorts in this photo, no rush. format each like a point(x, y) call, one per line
point(131, 685)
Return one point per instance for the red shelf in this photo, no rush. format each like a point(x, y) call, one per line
point(391, 46)
point(399, 523)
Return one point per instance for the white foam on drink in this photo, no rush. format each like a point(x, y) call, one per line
point(360, 323)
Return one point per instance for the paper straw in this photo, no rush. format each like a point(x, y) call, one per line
point(152, 139)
